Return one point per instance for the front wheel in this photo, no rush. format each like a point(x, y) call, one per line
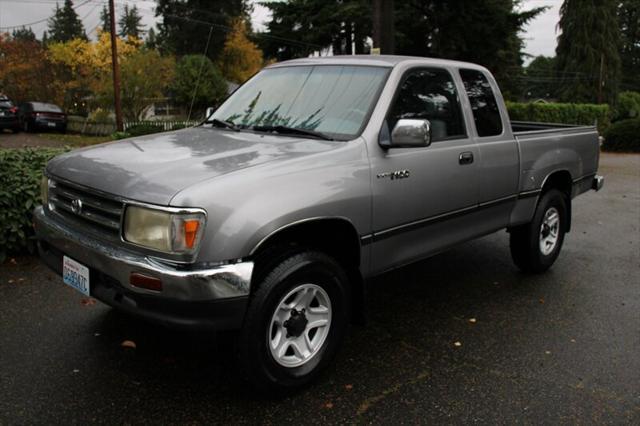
point(295, 322)
point(536, 245)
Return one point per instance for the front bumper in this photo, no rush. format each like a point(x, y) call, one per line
point(214, 297)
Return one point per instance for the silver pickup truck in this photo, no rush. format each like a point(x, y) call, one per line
point(314, 176)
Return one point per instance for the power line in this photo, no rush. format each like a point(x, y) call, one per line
point(39, 21)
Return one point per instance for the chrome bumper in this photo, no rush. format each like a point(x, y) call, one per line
point(210, 284)
point(597, 183)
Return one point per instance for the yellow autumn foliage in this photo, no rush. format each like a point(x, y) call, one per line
point(240, 57)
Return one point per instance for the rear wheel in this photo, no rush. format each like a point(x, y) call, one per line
point(295, 321)
point(26, 127)
point(536, 245)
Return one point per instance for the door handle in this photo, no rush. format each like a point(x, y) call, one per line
point(465, 158)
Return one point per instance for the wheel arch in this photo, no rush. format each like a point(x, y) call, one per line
point(333, 235)
point(563, 182)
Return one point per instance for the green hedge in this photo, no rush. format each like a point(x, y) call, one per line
point(586, 114)
point(20, 176)
point(623, 136)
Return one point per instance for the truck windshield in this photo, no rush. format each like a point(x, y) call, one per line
point(326, 99)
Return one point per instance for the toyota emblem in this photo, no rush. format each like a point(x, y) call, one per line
point(76, 206)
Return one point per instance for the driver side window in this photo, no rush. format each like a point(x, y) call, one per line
point(429, 94)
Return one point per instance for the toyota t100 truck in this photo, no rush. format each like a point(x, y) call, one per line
point(314, 176)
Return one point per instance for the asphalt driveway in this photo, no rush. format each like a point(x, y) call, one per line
point(461, 337)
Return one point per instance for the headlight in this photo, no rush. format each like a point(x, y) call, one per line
point(162, 230)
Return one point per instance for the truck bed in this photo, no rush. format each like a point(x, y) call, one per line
point(525, 127)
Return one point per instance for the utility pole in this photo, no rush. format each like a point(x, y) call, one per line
point(383, 26)
point(116, 68)
point(600, 80)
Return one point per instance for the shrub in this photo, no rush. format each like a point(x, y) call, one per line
point(585, 114)
point(20, 176)
point(144, 129)
point(628, 106)
point(623, 136)
point(120, 135)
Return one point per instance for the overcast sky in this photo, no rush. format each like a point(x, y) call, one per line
point(540, 34)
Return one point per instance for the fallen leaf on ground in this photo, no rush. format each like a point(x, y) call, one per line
point(573, 340)
point(457, 344)
point(541, 301)
point(10, 281)
point(128, 344)
point(547, 352)
point(75, 370)
point(472, 320)
point(87, 301)
point(328, 405)
point(13, 261)
point(96, 334)
point(348, 387)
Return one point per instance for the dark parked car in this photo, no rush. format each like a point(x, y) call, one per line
point(40, 115)
point(8, 115)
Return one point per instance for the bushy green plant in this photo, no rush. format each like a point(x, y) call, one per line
point(120, 135)
point(144, 129)
point(623, 135)
point(20, 177)
point(628, 106)
point(585, 114)
point(178, 126)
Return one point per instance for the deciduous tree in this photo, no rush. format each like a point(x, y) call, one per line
point(240, 57)
point(26, 73)
point(197, 75)
point(145, 77)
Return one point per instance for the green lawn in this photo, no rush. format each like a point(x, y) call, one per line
point(75, 140)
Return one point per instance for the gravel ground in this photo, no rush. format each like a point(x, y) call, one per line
point(557, 348)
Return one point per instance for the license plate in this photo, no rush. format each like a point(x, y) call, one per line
point(76, 275)
point(50, 124)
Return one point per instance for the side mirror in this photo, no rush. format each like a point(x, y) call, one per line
point(411, 133)
point(208, 112)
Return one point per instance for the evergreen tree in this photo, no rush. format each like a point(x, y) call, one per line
point(151, 42)
point(65, 24)
point(184, 25)
point(130, 23)
point(629, 20)
point(588, 51)
point(105, 19)
point(482, 31)
point(24, 34)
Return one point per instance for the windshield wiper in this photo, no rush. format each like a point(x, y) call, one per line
point(292, 131)
point(222, 123)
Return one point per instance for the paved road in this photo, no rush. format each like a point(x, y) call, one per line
point(557, 348)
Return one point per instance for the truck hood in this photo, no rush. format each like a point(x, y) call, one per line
point(154, 168)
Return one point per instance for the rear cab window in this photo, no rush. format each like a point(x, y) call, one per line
point(486, 113)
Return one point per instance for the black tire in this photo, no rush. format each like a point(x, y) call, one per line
point(525, 243)
point(284, 275)
point(26, 127)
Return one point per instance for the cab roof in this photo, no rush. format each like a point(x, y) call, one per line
point(388, 61)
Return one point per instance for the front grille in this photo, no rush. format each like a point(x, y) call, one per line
point(87, 207)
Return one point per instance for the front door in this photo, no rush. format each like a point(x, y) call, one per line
point(420, 193)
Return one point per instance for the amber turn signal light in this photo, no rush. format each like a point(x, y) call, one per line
point(190, 232)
